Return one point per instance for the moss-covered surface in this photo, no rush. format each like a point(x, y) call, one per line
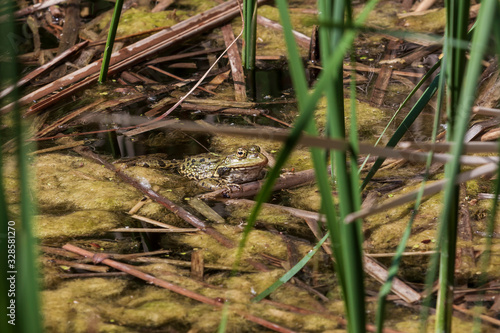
point(301, 22)
point(433, 21)
point(371, 120)
point(77, 224)
point(259, 242)
point(137, 19)
point(305, 197)
point(384, 16)
point(270, 42)
point(269, 216)
point(126, 306)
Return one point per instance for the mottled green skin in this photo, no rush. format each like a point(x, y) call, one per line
point(213, 171)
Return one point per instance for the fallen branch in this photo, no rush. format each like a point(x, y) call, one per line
point(252, 188)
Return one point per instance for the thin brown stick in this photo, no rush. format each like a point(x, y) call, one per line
point(155, 230)
point(181, 263)
point(384, 76)
point(424, 5)
point(73, 144)
point(91, 268)
point(138, 130)
point(221, 110)
point(184, 55)
point(178, 78)
point(197, 265)
point(91, 275)
point(301, 39)
point(363, 68)
point(484, 318)
point(486, 111)
point(131, 256)
point(233, 54)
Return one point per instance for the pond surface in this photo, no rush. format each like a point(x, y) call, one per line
point(85, 204)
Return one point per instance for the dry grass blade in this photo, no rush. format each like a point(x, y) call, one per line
point(429, 190)
point(469, 148)
point(157, 230)
point(311, 141)
point(301, 39)
point(486, 111)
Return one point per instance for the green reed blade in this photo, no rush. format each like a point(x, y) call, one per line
point(249, 34)
point(447, 227)
point(347, 245)
point(224, 318)
point(291, 273)
point(111, 40)
point(490, 227)
point(22, 245)
point(394, 268)
point(405, 124)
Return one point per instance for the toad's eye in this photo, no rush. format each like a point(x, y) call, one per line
point(241, 153)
